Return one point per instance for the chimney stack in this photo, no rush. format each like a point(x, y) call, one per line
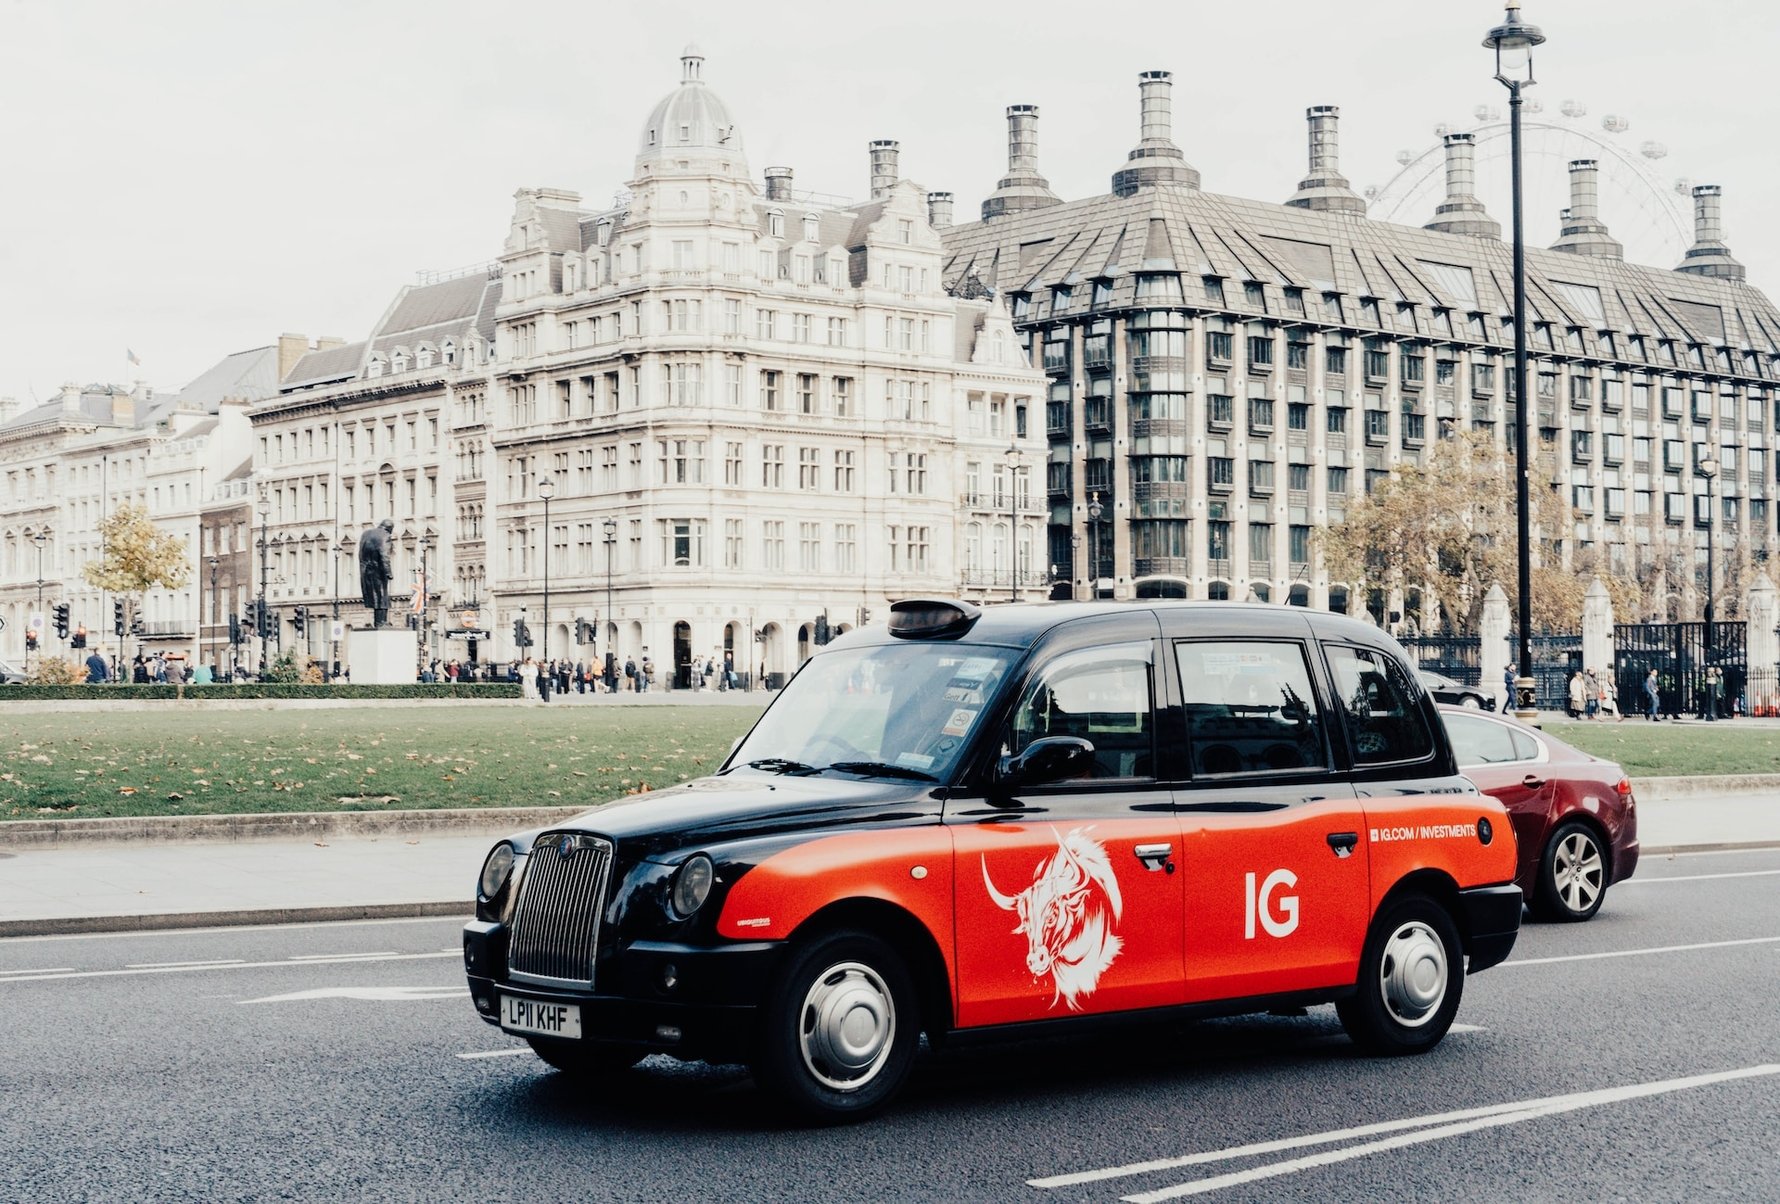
point(939, 210)
point(1583, 232)
point(883, 168)
point(1022, 188)
point(1709, 256)
point(1325, 188)
point(1156, 160)
point(1461, 212)
point(778, 183)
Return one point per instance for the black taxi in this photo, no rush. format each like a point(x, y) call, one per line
point(1005, 821)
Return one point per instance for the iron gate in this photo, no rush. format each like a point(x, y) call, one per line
point(1681, 654)
point(1454, 656)
point(1556, 656)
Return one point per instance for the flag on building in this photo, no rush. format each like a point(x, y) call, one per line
point(419, 603)
point(133, 357)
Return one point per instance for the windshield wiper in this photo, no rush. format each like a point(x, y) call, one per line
point(882, 769)
point(782, 765)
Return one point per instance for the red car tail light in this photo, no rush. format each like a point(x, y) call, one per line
point(1624, 787)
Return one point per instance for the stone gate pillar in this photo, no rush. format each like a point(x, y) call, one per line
point(1761, 649)
point(1597, 628)
point(1494, 653)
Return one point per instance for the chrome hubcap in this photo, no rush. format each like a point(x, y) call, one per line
point(1412, 975)
point(847, 1026)
point(1577, 870)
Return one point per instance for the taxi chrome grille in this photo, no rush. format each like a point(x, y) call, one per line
point(556, 920)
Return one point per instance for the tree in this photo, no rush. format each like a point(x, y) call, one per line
point(1447, 528)
point(139, 556)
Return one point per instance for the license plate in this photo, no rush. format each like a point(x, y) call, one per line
point(522, 1015)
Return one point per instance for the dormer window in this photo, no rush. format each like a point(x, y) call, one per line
point(398, 363)
point(812, 226)
point(423, 358)
point(602, 233)
point(375, 367)
point(448, 352)
point(775, 223)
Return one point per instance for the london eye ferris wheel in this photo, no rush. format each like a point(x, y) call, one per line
point(1644, 204)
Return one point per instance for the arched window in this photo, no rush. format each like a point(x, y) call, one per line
point(812, 227)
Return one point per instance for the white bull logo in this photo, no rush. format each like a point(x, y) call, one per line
point(1068, 914)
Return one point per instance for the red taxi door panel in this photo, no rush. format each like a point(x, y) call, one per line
point(1276, 898)
point(1273, 849)
point(1067, 896)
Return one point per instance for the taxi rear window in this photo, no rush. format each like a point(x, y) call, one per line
point(1250, 708)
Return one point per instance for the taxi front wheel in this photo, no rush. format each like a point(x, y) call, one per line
point(1412, 972)
point(839, 1028)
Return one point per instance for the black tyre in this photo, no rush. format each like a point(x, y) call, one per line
point(1412, 973)
point(839, 1028)
point(1572, 875)
point(582, 1060)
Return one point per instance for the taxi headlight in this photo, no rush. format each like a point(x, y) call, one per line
point(495, 870)
point(692, 886)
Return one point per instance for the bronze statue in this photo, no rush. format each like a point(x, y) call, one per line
point(374, 569)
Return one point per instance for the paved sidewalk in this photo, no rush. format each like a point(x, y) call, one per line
point(349, 871)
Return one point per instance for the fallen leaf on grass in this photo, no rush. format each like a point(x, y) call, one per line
point(175, 797)
point(321, 844)
point(126, 790)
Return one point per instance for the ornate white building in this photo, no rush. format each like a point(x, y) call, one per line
point(755, 412)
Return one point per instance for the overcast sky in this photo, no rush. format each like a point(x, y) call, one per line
point(187, 179)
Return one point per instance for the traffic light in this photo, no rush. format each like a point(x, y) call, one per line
point(822, 632)
point(117, 616)
point(522, 634)
point(298, 617)
point(268, 621)
point(137, 627)
point(864, 615)
point(234, 629)
point(61, 620)
point(583, 631)
point(80, 637)
point(30, 640)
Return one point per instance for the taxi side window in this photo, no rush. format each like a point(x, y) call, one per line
point(1480, 742)
point(1249, 708)
point(1101, 695)
point(1384, 723)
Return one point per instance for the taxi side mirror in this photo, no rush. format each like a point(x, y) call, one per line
point(1052, 759)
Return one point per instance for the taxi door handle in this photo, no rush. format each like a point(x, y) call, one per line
point(1531, 782)
point(1343, 842)
point(1156, 856)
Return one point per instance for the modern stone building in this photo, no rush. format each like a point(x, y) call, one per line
point(755, 412)
point(1223, 374)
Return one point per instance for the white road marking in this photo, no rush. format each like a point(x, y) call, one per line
point(41, 975)
point(495, 1053)
point(1695, 878)
point(370, 994)
point(215, 961)
point(340, 957)
point(8, 975)
point(145, 933)
point(1432, 1127)
point(1590, 957)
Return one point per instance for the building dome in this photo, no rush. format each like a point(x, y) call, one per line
point(691, 118)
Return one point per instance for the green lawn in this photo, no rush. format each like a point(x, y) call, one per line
point(150, 762)
point(1665, 750)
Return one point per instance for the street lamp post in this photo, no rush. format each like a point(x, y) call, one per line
point(1094, 511)
point(265, 508)
point(610, 527)
point(1513, 42)
point(1015, 463)
point(1708, 468)
point(215, 563)
point(546, 490)
point(422, 605)
point(1075, 558)
point(40, 538)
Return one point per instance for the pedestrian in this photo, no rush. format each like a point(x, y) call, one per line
point(729, 681)
point(1610, 699)
point(580, 677)
point(1591, 695)
point(646, 673)
point(1577, 695)
point(96, 671)
point(1714, 692)
point(1507, 688)
point(630, 675)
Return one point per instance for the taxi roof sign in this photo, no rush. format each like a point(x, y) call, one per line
point(931, 618)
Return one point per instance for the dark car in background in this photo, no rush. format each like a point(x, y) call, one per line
point(1573, 813)
point(1456, 693)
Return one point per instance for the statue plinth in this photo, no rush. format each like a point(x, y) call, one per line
point(381, 657)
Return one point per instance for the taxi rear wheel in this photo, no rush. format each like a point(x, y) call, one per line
point(839, 1028)
point(1412, 973)
point(581, 1060)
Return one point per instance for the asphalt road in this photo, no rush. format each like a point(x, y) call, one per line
point(1634, 1057)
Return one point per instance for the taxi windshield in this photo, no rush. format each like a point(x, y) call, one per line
point(893, 711)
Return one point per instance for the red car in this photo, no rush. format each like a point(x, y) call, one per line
point(1573, 814)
